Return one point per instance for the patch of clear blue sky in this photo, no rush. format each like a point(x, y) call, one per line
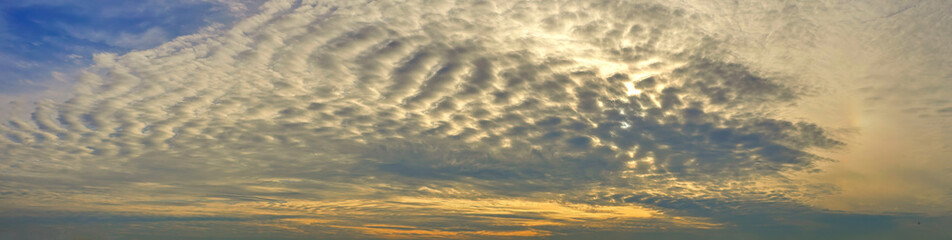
point(40, 36)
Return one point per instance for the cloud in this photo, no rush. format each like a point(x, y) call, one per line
point(40, 37)
point(510, 117)
point(150, 37)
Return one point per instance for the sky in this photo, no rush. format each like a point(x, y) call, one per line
point(475, 119)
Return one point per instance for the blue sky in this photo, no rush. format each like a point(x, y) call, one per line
point(37, 37)
point(301, 119)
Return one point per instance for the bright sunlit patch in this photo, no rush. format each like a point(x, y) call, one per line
point(605, 68)
point(637, 77)
point(631, 89)
point(647, 63)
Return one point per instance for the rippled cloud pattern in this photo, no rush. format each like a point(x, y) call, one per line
point(418, 119)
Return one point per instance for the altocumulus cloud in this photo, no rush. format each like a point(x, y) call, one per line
point(419, 119)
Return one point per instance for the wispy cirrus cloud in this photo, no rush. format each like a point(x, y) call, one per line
point(61, 36)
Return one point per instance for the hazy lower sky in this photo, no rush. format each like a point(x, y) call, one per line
point(475, 119)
